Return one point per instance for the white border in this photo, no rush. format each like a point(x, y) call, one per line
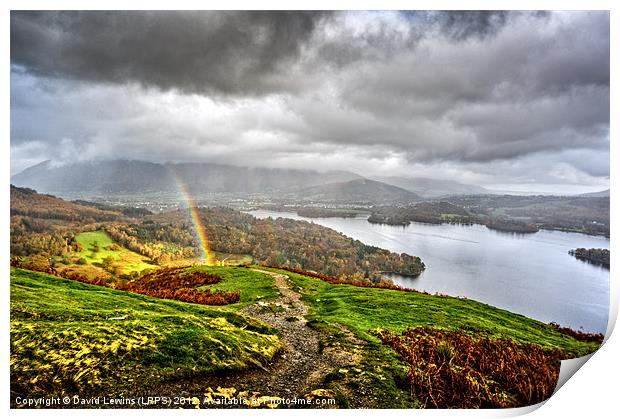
point(591, 393)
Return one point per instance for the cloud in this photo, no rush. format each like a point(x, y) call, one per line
point(507, 97)
point(531, 84)
point(207, 52)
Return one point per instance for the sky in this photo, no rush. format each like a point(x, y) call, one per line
point(514, 101)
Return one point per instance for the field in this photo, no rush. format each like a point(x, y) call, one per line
point(97, 245)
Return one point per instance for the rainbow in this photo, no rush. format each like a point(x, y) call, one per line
point(200, 233)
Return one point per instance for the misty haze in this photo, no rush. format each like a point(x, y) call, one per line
point(349, 209)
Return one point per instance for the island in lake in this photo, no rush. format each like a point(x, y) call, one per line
point(596, 256)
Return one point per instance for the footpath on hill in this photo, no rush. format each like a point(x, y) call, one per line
point(298, 372)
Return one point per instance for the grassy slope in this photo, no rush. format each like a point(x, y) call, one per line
point(381, 376)
point(62, 338)
point(367, 309)
point(61, 330)
point(232, 258)
point(254, 286)
point(131, 261)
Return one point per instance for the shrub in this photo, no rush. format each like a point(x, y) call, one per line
point(169, 283)
point(458, 370)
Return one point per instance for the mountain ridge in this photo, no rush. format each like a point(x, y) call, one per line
point(133, 176)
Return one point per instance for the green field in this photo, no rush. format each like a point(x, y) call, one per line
point(64, 339)
point(128, 260)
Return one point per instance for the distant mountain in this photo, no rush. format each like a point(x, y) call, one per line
point(358, 191)
point(433, 188)
point(600, 194)
point(130, 176)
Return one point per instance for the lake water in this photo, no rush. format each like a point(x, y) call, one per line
point(529, 274)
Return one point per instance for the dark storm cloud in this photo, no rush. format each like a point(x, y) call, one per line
point(463, 24)
point(386, 40)
point(222, 52)
point(515, 96)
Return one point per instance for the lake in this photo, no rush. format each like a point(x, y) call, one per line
point(530, 274)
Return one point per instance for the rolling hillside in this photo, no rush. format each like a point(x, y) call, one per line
point(77, 338)
point(599, 194)
point(72, 338)
point(27, 202)
point(358, 191)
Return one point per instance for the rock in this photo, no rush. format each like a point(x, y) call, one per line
point(320, 393)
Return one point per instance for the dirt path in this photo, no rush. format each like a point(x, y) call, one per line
point(302, 366)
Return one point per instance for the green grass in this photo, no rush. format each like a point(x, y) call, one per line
point(363, 310)
point(63, 340)
point(130, 261)
point(380, 373)
point(232, 258)
point(254, 286)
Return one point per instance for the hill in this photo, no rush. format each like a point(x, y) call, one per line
point(73, 338)
point(112, 177)
point(434, 188)
point(51, 227)
point(44, 224)
point(358, 191)
point(516, 213)
point(589, 215)
point(599, 194)
point(27, 202)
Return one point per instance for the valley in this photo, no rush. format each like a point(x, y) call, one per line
point(130, 284)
